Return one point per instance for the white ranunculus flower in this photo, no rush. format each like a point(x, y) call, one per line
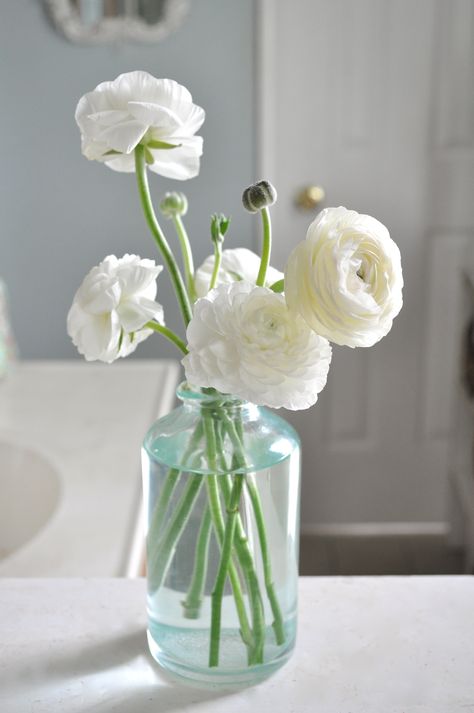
point(243, 340)
point(137, 109)
point(237, 264)
point(345, 279)
point(110, 308)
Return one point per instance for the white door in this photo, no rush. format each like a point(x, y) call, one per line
point(374, 100)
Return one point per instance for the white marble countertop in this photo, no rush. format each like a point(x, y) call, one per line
point(88, 421)
point(365, 645)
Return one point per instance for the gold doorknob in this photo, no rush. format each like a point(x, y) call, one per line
point(310, 197)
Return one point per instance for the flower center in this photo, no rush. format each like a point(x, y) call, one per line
point(366, 272)
point(267, 328)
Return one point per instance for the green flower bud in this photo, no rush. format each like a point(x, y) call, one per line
point(219, 225)
point(259, 195)
point(174, 204)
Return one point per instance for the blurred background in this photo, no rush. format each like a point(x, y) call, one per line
point(362, 103)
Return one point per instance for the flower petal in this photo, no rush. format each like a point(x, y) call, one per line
point(134, 314)
point(180, 163)
point(124, 136)
point(155, 115)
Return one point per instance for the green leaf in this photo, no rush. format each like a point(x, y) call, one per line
point(155, 144)
point(149, 156)
point(278, 286)
point(224, 225)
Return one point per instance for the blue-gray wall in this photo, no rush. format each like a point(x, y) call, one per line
point(61, 214)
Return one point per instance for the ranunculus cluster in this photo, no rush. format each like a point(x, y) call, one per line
point(112, 306)
point(243, 340)
point(342, 284)
point(345, 279)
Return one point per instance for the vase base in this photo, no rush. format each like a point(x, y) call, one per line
point(217, 677)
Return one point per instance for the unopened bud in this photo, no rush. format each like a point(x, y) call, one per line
point(174, 204)
point(259, 195)
point(219, 225)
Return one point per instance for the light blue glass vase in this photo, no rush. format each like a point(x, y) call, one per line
point(221, 481)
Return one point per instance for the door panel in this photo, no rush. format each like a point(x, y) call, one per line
point(373, 100)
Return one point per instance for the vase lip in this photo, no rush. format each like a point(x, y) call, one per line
point(199, 395)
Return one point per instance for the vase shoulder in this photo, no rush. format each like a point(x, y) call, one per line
point(268, 438)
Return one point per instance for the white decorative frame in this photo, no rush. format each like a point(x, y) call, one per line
point(111, 29)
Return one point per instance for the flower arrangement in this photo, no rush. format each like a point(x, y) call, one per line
point(251, 331)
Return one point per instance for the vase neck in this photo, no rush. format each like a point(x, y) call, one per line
point(195, 397)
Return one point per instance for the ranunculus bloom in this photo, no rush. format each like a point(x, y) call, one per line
point(110, 308)
point(345, 279)
point(243, 340)
point(237, 264)
point(137, 109)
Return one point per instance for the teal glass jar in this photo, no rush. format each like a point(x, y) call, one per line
point(221, 483)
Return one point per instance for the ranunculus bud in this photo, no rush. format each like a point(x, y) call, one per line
point(174, 203)
point(219, 225)
point(259, 195)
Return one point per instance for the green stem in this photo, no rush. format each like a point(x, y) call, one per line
point(217, 264)
point(245, 558)
point(162, 503)
point(193, 600)
point(168, 257)
point(236, 437)
point(169, 334)
point(266, 246)
point(154, 540)
point(278, 626)
point(160, 558)
point(170, 483)
point(219, 528)
point(225, 561)
point(187, 254)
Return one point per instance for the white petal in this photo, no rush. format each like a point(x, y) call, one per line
point(180, 163)
point(133, 315)
point(124, 136)
point(129, 344)
point(166, 92)
point(159, 117)
point(123, 164)
point(136, 275)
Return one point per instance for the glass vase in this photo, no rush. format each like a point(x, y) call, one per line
point(221, 482)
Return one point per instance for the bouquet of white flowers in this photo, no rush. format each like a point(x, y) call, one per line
point(251, 331)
